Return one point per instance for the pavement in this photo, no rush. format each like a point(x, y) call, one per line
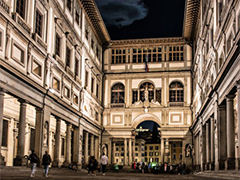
point(23, 173)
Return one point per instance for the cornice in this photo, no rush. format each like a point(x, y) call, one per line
point(96, 19)
point(133, 42)
point(190, 18)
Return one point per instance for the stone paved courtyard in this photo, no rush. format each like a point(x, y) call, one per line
point(22, 173)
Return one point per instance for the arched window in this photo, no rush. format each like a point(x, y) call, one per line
point(117, 94)
point(146, 91)
point(176, 92)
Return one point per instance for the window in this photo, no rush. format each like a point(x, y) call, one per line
point(229, 43)
point(134, 96)
point(18, 53)
point(96, 116)
point(156, 153)
point(158, 96)
point(69, 5)
point(76, 69)
point(68, 57)
point(38, 23)
point(21, 7)
point(146, 91)
point(57, 44)
point(176, 53)
point(5, 133)
point(66, 92)
point(117, 93)
point(150, 153)
point(118, 56)
point(75, 99)
point(86, 31)
point(97, 90)
point(56, 84)
point(36, 68)
point(62, 148)
point(156, 147)
point(1, 39)
point(86, 79)
point(92, 44)
point(92, 85)
point(174, 156)
point(150, 147)
point(78, 14)
point(176, 92)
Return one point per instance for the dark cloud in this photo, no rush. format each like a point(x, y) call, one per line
point(122, 12)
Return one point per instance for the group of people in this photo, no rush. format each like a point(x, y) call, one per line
point(93, 165)
point(157, 168)
point(46, 161)
point(34, 160)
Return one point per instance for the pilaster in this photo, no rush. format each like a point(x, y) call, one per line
point(1, 123)
point(57, 143)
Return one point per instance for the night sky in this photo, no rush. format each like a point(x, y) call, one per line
point(131, 19)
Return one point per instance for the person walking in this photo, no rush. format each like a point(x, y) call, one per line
point(46, 161)
point(92, 165)
point(34, 160)
point(104, 162)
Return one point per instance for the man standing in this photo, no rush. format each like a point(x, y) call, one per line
point(104, 162)
point(46, 160)
point(34, 160)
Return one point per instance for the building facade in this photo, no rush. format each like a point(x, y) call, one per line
point(66, 87)
point(216, 75)
point(147, 80)
point(50, 80)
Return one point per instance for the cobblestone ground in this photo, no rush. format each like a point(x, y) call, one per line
point(22, 173)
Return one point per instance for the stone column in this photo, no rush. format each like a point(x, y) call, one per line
point(113, 153)
point(86, 148)
point(162, 150)
point(230, 133)
point(110, 151)
point(1, 123)
point(125, 152)
point(96, 144)
point(166, 158)
point(92, 145)
point(238, 119)
point(19, 161)
point(212, 142)
point(68, 145)
point(134, 149)
point(223, 138)
point(57, 143)
point(41, 116)
point(77, 147)
point(130, 151)
point(203, 146)
point(207, 146)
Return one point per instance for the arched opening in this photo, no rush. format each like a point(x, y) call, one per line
point(148, 142)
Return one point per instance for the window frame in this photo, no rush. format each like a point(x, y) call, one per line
point(118, 93)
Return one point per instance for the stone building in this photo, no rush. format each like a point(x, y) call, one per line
point(216, 86)
point(147, 80)
point(50, 79)
point(66, 87)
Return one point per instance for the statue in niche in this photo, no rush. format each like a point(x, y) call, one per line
point(45, 133)
point(146, 93)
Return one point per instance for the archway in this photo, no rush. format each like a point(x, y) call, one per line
point(148, 142)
